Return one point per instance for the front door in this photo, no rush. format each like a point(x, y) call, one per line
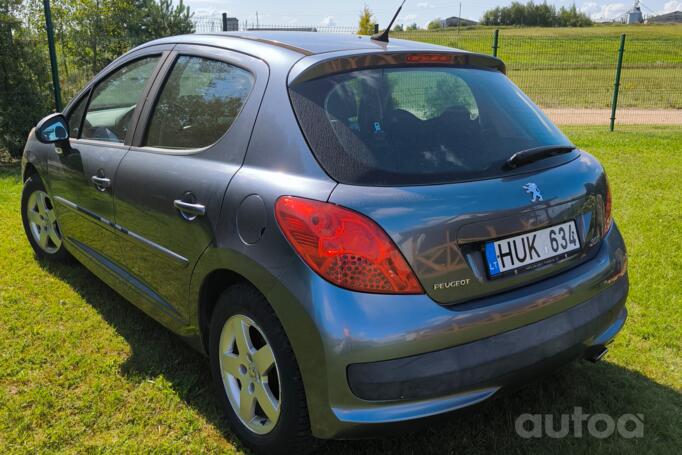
point(191, 140)
point(83, 176)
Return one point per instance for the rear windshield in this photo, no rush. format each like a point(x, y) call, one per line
point(419, 125)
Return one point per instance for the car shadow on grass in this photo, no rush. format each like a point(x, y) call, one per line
point(601, 388)
point(155, 351)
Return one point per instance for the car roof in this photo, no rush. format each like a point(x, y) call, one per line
point(317, 43)
point(305, 43)
point(306, 50)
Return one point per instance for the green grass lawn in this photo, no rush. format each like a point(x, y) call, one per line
point(82, 370)
point(575, 67)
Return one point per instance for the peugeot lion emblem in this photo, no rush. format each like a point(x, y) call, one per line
point(533, 190)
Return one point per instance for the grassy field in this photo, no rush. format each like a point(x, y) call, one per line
point(82, 370)
point(575, 67)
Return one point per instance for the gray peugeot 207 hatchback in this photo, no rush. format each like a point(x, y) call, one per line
point(357, 233)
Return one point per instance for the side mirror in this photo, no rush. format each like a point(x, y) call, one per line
point(53, 129)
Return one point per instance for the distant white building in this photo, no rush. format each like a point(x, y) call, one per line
point(634, 16)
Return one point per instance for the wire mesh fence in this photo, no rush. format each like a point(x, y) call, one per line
point(207, 24)
point(302, 28)
point(572, 76)
point(569, 73)
point(210, 24)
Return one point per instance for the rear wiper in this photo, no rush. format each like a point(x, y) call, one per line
point(535, 154)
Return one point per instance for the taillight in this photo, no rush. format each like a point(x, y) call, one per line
point(608, 219)
point(345, 247)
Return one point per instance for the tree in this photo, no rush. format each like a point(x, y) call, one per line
point(434, 24)
point(531, 14)
point(98, 31)
point(366, 22)
point(156, 19)
point(92, 33)
point(24, 78)
point(412, 26)
point(89, 34)
point(398, 28)
point(571, 17)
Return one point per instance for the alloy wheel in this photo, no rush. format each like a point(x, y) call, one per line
point(42, 221)
point(250, 375)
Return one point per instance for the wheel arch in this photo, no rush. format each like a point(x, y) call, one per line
point(34, 158)
point(212, 286)
point(217, 270)
point(29, 171)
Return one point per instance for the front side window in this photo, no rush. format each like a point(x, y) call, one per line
point(114, 100)
point(418, 125)
point(198, 103)
point(76, 117)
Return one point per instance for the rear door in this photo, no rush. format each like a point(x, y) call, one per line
point(192, 137)
point(82, 179)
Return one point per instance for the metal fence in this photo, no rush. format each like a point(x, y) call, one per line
point(570, 73)
point(211, 24)
point(573, 76)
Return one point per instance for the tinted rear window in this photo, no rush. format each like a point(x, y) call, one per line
point(420, 125)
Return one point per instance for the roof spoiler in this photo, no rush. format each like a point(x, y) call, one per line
point(303, 72)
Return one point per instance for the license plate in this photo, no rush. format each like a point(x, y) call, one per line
point(526, 251)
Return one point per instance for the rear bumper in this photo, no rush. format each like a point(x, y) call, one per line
point(371, 361)
point(495, 361)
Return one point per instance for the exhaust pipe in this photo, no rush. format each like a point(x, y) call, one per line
point(595, 353)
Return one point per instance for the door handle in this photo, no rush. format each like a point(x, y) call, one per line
point(188, 210)
point(102, 183)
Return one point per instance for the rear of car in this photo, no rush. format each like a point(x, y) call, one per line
point(386, 232)
point(468, 244)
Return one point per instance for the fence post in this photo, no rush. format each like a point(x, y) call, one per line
point(53, 57)
point(616, 84)
point(224, 22)
point(496, 37)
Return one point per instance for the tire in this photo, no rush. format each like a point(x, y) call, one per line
point(40, 222)
point(290, 431)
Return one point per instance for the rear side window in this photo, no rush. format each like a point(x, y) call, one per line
point(113, 101)
point(198, 103)
point(418, 125)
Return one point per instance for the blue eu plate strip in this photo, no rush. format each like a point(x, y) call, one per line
point(493, 266)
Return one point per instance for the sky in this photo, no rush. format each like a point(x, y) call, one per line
point(345, 12)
